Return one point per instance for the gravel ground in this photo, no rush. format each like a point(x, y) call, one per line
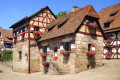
point(110, 71)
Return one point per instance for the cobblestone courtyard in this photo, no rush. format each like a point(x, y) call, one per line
point(110, 71)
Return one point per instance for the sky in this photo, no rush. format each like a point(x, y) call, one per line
point(12, 11)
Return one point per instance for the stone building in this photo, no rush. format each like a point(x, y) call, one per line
point(33, 26)
point(72, 43)
point(110, 23)
point(5, 39)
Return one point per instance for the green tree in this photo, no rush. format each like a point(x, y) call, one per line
point(62, 13)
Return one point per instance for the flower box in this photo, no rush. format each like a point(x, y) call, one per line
point(108, 41)
point(43, 54)
point(93, 45)
point(108, 55)
point(91, 53)
point(66, 53)
point(22, 33)
point(91, 25)
point(32, 31)
point(37, 33)
point(45, 63)
point(14, 37)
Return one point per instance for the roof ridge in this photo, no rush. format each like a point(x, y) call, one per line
point(88, 9)
point(71, 13)
point(108, 7)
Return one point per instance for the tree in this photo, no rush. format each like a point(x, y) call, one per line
point(62, 13)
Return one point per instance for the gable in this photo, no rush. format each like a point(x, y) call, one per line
point(85, 29)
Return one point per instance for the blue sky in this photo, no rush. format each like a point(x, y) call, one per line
point(12, 11)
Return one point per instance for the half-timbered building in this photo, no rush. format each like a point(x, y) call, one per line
point(110, 23)
point(72, 43)
point(26, 32)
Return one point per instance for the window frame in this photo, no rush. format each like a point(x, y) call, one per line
point(45, 49)
point(20, 55)
point(67, 46)
point(36, 28)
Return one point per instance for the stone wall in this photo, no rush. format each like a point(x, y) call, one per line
point(68, 63)
point(20, 65)
point(83, 61)
point(34, 57)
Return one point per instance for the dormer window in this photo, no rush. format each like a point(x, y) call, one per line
point(113, 14)
point(36, 28)
point(62, 23)
point(50, 28)
point(107, 25)
point(59, 26)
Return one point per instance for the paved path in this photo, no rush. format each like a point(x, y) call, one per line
point(110, 71)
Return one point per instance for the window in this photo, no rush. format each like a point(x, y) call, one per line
point(15, 40)
point(15, 33)
point(45, 49)
point(89, 47)
point(110, 50)
point(110, 37)
point(107, 25)
point(113, 14)
point(87, 20)
point(59, 26)
point(36, 28)
point(50, 28)
point(20, 55)
point(67, 46)
point(22, 38)
point(8, 45)
point(23, 29)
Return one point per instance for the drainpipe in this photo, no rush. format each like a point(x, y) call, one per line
point(29, 45)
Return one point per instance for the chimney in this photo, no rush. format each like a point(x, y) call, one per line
point(74, 8)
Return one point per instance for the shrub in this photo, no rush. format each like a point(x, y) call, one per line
point(7, 55)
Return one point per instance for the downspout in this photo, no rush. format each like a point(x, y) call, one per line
point(29, 44)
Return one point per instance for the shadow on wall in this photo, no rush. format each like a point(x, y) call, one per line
point(65, 59)
point(1, 71)
point(91, 61)
point(93, 31)
point(46, 68)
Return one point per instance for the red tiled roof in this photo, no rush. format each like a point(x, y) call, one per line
point(73, 21)
point(6, 34)
point(110, 14)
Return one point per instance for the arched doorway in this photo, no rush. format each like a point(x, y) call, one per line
point(56, 53)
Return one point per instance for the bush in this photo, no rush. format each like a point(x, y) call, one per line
point(7, 55)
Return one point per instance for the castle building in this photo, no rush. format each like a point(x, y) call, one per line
point(72, 43)
point(110, 23)
point(33, 26)
point(5, 39)
point(69, 44)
